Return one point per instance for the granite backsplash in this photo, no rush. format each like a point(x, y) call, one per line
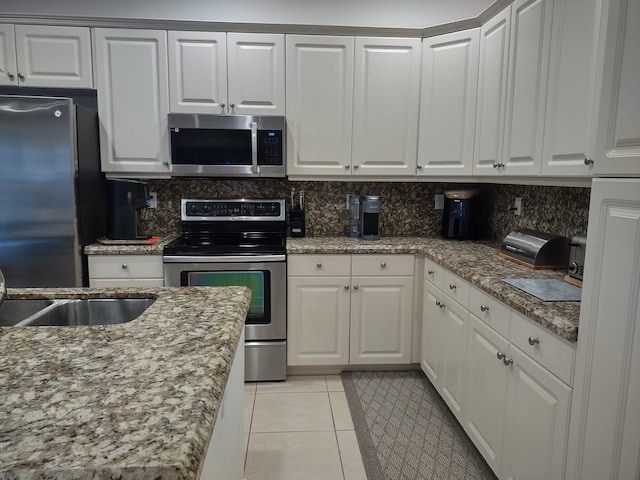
point(407, 208)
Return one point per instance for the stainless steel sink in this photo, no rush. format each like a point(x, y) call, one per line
point(13, 312)
point(94, 311)
point(72, 312)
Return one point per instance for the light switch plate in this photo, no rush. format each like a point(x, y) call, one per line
point(439, 201)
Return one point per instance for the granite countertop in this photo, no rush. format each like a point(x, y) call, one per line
point(137, 400)
point(154, 249)
point(476, 262)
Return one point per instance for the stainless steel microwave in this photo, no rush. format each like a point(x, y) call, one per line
point(227, 145)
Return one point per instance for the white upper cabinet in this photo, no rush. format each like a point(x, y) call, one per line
point(133, 100)
point(618, 140)
point(448, 103)
point(256, 73)
point(492, 91)
point(197, 72)
point(45, 56)
point(219, 73)
point(385, 106)
point(568, 136)
point(319, 104)
point(527, 86)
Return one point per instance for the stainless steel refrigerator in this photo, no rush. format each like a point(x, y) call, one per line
point(52, 193)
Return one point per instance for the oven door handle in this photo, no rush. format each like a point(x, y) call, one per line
point(254, 147)
point(225, 259)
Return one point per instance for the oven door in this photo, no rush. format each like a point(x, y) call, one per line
point(266, 276)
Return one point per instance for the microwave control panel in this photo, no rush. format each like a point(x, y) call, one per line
point(270, 147)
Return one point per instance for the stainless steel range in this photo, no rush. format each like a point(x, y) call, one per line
point(239, 242)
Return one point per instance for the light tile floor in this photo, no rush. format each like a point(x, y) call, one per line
point(300, 429)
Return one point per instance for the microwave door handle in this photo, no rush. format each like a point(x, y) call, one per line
point(254, 147)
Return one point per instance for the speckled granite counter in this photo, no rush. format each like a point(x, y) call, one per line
point(155, 249)
point(476, 262)
point(137, 400)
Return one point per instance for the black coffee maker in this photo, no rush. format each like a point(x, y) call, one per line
point(462, 214)
point(127, 201)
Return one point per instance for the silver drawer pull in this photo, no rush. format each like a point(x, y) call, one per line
point(534, 341)
point(507, 361)
point(125, 266)
point(346, 287)
point(484, 308)
point(430, 272)
point(383, 265)
point(356, 287)
point(452, 286)
point(501, 355)
point(318, 265)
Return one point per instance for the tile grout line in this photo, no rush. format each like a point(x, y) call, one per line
point(335, 430)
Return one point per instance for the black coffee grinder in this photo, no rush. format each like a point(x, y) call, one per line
point(462, 214)
point(127, 201)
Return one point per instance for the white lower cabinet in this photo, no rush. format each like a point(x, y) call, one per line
point(504, 377)
point(112, 271)
point(335, 317)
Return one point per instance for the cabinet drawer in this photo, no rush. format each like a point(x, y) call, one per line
point(125, 266)
point(433, 273)
point(382, 265)
point(491, 311)
point(319, 265)
point(125, 282)
point(456, 288)
point(548, 349)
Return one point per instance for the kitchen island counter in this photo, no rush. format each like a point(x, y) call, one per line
point(137, 400)
point(474, 261)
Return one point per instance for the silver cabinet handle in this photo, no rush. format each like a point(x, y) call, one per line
point(588, 161)
point(232, 105)
point(166, 164)
point(496, 165)
point(346, 287)
point(318, 265)
point(383, 265)
point(222, 104)
point(254, 147)
point(347, 167)
point(452, 286)
point(507, 361)
point(534, 341)
point(438, 303)
point(355, 167)
point(501, 355)
point(11, 76)
point(419, 167)
point(484, 308)
point(442, 305)
point(356, 287)
point(125, 266)
point(430, 272)
point(20, 77)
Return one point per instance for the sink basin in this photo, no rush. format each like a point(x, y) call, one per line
point(94, 311)
point(15, 311)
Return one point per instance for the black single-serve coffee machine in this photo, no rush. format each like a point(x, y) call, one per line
point(370, 217)
point(462, 214)
point(127, 201)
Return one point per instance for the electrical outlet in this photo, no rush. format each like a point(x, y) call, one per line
point(152, 201)
point(439, 201)
point(518, 206)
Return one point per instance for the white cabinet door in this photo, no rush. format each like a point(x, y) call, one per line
point(319, 103)
point(486, 399)
point(381, 317)
point(385, 106)
point(537, 419)
point(492, 91)
point(431, 346)
point(8, 64)
point(605, 427)
point(133, 100)
point(454, 353)
point(448, 103)
point(54, 56)
point(318, 320)
point(198, 72)
point(527, 86)
point(570, 114)
point(256, 73)
point(618, 141)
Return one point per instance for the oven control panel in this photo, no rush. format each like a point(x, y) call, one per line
point(232, 209)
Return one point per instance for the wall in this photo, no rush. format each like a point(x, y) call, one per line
point(407, 208)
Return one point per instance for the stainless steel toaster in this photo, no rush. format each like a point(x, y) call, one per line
point(576, 256)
